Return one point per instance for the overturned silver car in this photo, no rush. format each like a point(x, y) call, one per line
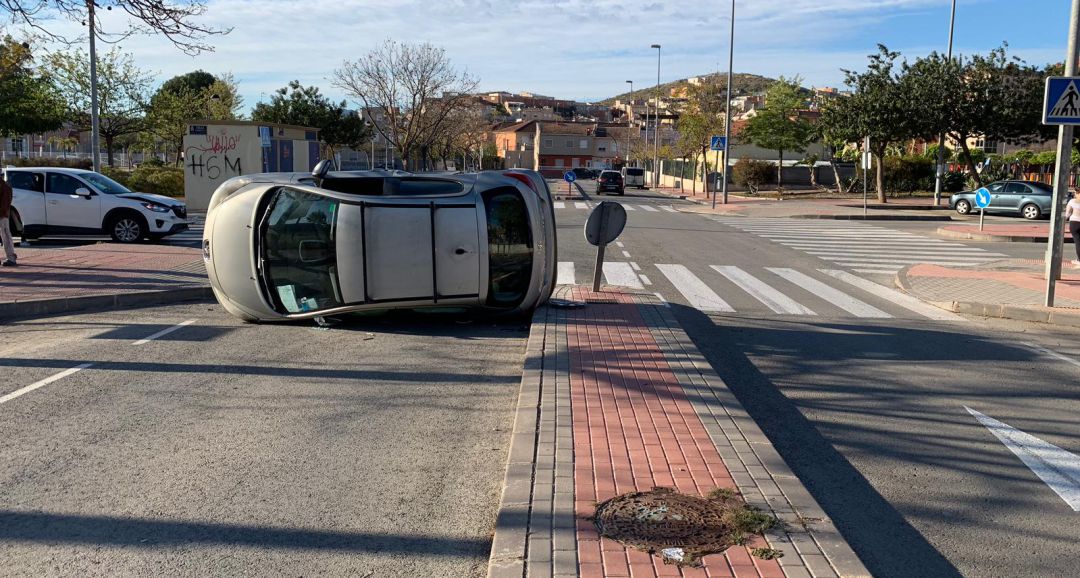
point(283, 246)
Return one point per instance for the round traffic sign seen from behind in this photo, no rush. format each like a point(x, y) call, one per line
point(982, 198)
point(605, 224)
point(569, 176)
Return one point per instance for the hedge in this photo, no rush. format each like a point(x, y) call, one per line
point(167, 181)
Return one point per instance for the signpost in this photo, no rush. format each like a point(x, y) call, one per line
point(605, 224)
point(982, 199)
point(866, 159)
point(569, 177)
point(718, 144)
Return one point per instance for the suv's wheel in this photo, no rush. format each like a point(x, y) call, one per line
point(1031, 211)
point(127, 227)
point(963, 207)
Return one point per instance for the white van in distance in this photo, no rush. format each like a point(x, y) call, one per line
point(633, 177)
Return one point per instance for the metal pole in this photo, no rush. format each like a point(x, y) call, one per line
point(1062, 168)
point(865, 170)
point(598, 267)
point(94, 154)
point(940, 169)
point(656, 132)
point(727, 115)
point(629, 121)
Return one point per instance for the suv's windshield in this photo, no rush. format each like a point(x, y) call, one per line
point(104, 184)
point(299, 256)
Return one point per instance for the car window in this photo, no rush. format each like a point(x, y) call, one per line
point(105, 184)
point(996, 187)
point(1040, 189)
point(635, 172)
point(298, 250)
point(26, 180)
point(1016, 188)
point(510, 247)
point(61, 184)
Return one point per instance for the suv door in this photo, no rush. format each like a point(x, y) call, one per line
point(28, 198)
point(65, 209)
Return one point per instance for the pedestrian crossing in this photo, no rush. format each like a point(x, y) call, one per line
point(190, 238)
point(781, 290)
point(861, 247)
point(589, 205)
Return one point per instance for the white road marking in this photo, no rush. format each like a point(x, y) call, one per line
point(621, 274)
point(164, 332)
point(626, 254)
point(580, 205)
point(856, 262)
point(1053, 354)
point(833, 255)
point(560, 205)
point(662, 300)
point(566, 274)
point(834, 296)
point(886, 246)
point(696, 292)
point(1056, 467)
point(644, 280)
point(649, 208)
point(634, 266)
point(43, 382)
point(878, 271)
point(629, 208)
point(757, 289)
point(670, 209)
point(619, 244)
point(902, 299)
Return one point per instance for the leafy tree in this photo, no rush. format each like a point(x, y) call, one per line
point(777, 125)
point(123, 92)
point(306, 106)
point(175, 104)
point(195, 81)
point(699, 120)
point(28, 102)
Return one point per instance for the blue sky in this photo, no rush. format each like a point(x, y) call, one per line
point(586, 49)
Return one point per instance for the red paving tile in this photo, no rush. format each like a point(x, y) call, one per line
point(634, 429)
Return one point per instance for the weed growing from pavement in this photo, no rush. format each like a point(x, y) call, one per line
point(767, 553)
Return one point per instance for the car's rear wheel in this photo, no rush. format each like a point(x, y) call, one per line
point(963, 207)
point(1031, 211)
point(127, 228)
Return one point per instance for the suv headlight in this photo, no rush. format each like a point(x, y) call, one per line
point(156, 208)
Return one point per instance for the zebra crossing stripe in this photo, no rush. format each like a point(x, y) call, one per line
point(560, 205)
point(629, 207)
point(580, 205)
point(834, 296)
point(696, 292)
point(757, 289)
point(902, 299)
point(670, 209)
point(566, 274)
point(920, 258)
point(621, 274)
point(945, 250)
point(649, 208)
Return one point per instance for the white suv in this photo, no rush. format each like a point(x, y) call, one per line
point(59, 201)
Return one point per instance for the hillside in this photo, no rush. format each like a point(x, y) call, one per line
point(744, 83)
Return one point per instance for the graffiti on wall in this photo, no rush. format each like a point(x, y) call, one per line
point(216, 157)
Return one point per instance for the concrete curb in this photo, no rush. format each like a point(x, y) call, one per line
point(875, 217)
point(61, 305)
point(977, 236)
point(1032, 313)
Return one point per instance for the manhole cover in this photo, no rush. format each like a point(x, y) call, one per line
point(602, 301)
point(679, 527)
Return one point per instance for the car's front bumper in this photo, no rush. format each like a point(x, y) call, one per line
point(167, 224)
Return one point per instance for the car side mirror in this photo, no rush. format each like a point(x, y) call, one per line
point(83, 192)
point(321, 169)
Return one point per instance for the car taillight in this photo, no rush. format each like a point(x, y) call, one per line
point(523, 178)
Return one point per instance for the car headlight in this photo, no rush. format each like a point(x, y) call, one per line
point(156, 208)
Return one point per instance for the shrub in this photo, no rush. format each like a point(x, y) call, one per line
point(151, 179)
point(69, 163)
point(752, 174)
point(908, 174)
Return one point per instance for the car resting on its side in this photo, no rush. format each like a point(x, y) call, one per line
point(299, 246)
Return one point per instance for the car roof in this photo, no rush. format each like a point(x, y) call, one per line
point(65, 170)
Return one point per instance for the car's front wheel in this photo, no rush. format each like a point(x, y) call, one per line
point(127, 228)
point(1031, 211)
point(963, 207)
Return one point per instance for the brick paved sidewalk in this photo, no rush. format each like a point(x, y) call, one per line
point(1027, 232)
point(615, 398)
point(1010, 289)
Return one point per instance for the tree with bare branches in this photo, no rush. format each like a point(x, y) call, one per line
point(173, 19)
point(416, 88)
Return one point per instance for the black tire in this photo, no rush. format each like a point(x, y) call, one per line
point(963, 207)
point(155, 237)
point(127, 227)
point(1031, 211)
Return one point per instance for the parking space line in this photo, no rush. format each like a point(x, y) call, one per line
point(1053, 354)
point(626, 254)
point(44, 382)
point(164, 332)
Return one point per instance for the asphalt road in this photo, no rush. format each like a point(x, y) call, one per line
point(870, 411)
point(373, 449)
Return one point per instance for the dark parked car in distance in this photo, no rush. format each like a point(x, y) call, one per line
point(611, 181)
point(583, 173)
point(1029, 199)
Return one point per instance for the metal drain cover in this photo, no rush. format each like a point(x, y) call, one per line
point(679, 527)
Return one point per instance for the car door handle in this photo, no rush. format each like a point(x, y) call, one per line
point(460, 251)
point(54, 202)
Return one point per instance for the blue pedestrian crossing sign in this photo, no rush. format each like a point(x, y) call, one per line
point(1061, 104)
point(982, 198)
point(719, 143)
point(569, 176)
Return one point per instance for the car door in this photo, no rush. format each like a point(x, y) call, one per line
point(67, 211)
point(996, 191)
point(29, 196)
point(1009, 197)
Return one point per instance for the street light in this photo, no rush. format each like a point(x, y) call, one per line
point(629, 121)
point(656, 132)
point(940, 169)
point(727, 115)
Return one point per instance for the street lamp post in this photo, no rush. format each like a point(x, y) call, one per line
point(940, 169)
point(656, 131)
point(94, 126)
point(727, 115)
point(629, 121)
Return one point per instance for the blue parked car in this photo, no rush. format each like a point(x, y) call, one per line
point(1029, 199)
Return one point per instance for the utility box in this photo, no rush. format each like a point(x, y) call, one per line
point(215, 151)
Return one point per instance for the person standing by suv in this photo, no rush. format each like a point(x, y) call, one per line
point(5, 226)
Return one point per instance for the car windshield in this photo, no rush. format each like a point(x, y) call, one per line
point(104, 184)
point(635, 172)
point(299, 258)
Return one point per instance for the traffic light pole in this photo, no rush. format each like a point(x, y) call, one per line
point(1062, 168)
